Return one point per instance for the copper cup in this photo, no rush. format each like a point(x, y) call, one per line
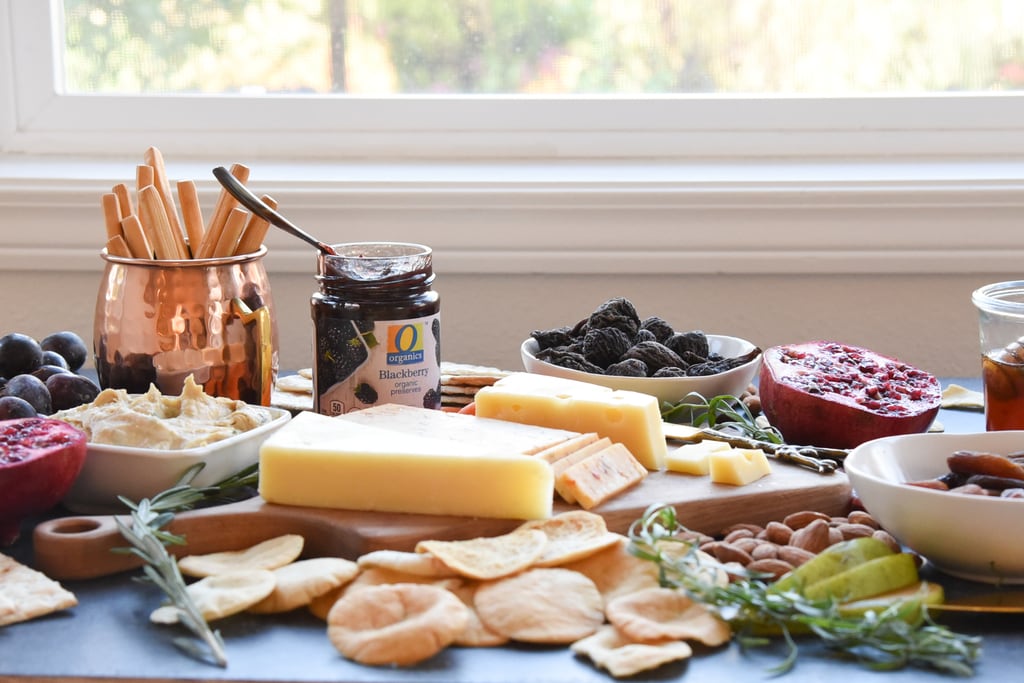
point(159, 321)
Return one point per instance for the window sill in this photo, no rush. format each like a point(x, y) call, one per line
point(584, 217)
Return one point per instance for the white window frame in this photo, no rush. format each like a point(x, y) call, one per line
point(820, 184)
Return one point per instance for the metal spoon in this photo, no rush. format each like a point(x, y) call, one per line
point(250, 201)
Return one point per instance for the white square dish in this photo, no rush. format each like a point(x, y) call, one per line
point(136, 473)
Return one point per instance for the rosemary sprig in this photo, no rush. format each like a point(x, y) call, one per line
point(726, 418)
point(149, 539)
point(881, 640)
point(725, 413)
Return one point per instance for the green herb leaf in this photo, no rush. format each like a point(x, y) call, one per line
point(881, 640)
point(149, 540)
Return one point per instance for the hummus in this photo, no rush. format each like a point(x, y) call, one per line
point(152, 420)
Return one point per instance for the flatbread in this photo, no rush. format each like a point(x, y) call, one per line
point(26, 593)
point(541, 605)
point(608, 649)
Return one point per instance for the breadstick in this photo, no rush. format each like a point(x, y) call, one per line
point(116, 246)
point(111, 215)
point(124, 200)
point(135, 236)
point(255, 230)
point(155, 159)
point(143, 176)
point(191, 214)
point(151, 212)
point(225, 203)
point(233, 228)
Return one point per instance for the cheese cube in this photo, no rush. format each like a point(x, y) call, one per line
point(738, 466)
point(320, 461)
point(692, 458)
point(626, 417)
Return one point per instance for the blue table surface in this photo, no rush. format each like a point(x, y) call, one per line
point(108, 637)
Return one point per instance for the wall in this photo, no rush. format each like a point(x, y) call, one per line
point(926, 320)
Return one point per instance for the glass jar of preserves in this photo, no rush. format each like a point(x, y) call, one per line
point(376, 328)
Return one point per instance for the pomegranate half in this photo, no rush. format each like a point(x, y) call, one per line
point(39, 461)
point(824, 393)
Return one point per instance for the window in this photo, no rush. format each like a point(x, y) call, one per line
point(602, 79)
point(774, 159)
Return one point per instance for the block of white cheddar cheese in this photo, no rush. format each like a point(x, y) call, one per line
point(508, 436)
point(692, 458)
point(320, 461)
point(626, 417)
point(738, 466)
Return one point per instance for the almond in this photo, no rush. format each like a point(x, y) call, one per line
point(752, 528)
point(769, 565)
point(737, 534)
point(777, 532)
point(851, 530)
point(862, 517)
point(748, 544)
point(888, 539)
point(727, 552)
point(795, 556)
point(834, 535)
point(814, 537)
point(764, 551)
point(798, 520)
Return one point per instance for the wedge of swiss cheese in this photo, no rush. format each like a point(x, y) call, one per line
point(327, 462)
point(627, 417)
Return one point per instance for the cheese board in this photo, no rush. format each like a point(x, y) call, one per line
point(80, 547)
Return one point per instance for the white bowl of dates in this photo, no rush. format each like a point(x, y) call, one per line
point(955, 499)
point(615, 348)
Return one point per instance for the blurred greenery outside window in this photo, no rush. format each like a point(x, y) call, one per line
point(381, 48)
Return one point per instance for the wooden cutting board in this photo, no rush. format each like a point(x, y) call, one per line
point(70, 548)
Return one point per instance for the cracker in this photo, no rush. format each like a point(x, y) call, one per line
point(296, 584)
point(489, 557)
point(572, 536)
point(396, 624)
point(655, 614)
point(222, 595)
point(419, 564)
point(608, 649)
point(26, 593)
point(270, 554)
point(541, 605)
point(296, 384)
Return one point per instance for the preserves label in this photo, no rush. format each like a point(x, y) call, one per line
point(362, 363)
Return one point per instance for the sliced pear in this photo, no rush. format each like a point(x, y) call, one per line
point(874, 577)
point(910, 601)
point(831, 561)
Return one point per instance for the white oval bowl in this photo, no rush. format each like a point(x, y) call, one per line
point(667, 389)
point(969, 536)
point(136, 473)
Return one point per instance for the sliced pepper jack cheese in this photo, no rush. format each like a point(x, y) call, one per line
point(627, 417)
point(597, 478)
point(738, 466)
point(320, 461)
point(692, 458)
